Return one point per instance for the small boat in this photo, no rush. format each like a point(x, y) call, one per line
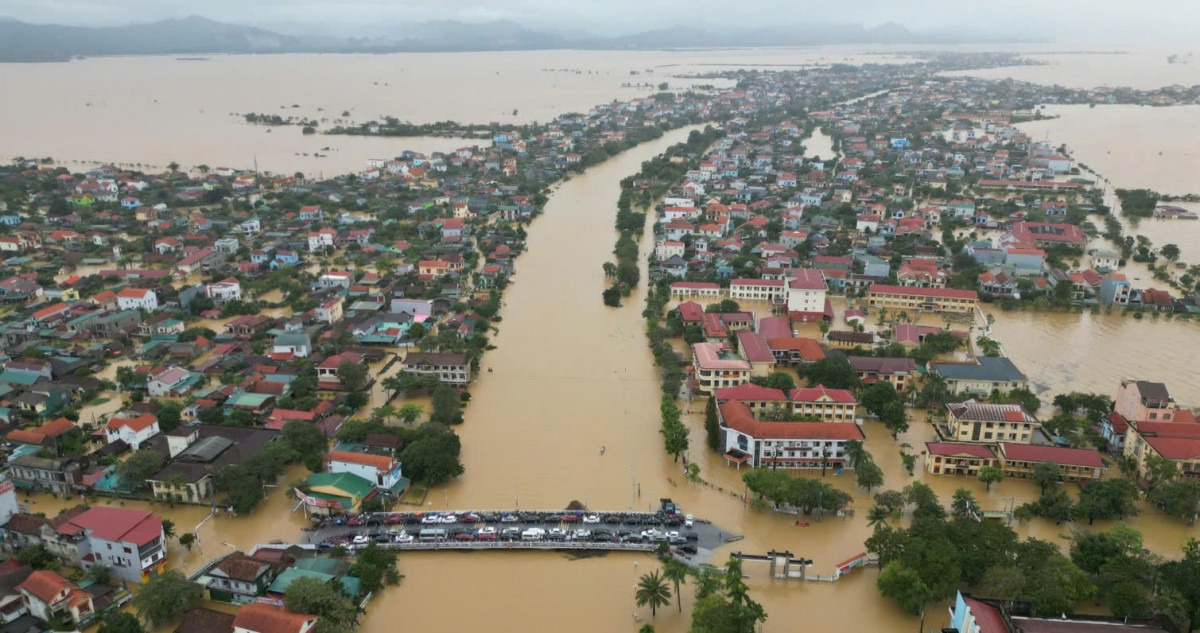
point(839, 472)
point(601, 450)
point(801, 523)
point(671, 481)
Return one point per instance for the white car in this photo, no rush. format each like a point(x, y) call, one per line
point(487, 530)
point(361, 539)
point(557, 532)
point(651, 533)
point(432, 518)
point(449, 518)
point(689, 521)
point(510, 518)
point(591, 518)
point(581, 535)
point(403, 537)
point(672, 534)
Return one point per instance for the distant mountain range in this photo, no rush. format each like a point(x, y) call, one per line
point(25, 42)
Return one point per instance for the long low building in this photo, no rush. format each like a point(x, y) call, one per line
point(986, 375)
point(792, 445)
point(1017, 461)
point(451, 369)
point(921, 299)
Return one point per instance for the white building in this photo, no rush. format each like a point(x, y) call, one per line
point(133, 431)
point(318, 240)
point(795, 445)
point(228, 289)
point(382, 471)
point(806, 291)
point(335, 279)
point(164, 382)
point(667, 249)
point(134, 298)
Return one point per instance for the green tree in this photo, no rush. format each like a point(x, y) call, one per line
point(409, 413)
point(895, 418)
point(1177, 580)
point(141, 465)
point(712, 425)
point(652, 590)
point(187, 540)
point(352, 375)
point(877, 395)
point(120, 622)
point(905, 586)
point(168, 527)
point(964, 504)
point(677, 572)
point(337, 611)
point(868, 475)
point(990, 475)
point(1179, 499)
point(1160, 470)
point(447, 406)
point(1108, 499)
point(304, 437)
point(166, 597)
point(37, 557)
point(433, 454)
point(1045, 475)
point(834, 372)
point(1170, 252)
point(777, 380)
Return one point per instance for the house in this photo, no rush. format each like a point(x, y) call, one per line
point(898, 371)
point(954, 458)
point(195, 452)
point(1113, 429)
point(1044, 234)
point(335, 279)
point(982, 615)
point(1176, 441)
point(844, 339)
point(382, 471)
point(919, 299)
point(296, 344)
point(330, 310)
point(327, 371)
point(1143, 400)
point(59, 475)
point(451, 369)
point(228, 289)
point(200, 260)
point(1074, 464)
point(137, 298)
point(792, 445)
point(130, 542)
point(987, 375)
point(248, 325)
point(1115, 289)
point(168, 381)
point(240, 579)
point(269, 618)
point(972, 421)
point(320, 240)
point(693, 289)
point(132, 431)
point(50, 598)
point(717, 366)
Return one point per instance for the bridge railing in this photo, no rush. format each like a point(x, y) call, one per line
point(522, 545)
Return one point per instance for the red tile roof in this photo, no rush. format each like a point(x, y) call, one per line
point(737, 416)
point(1062, 456)
point(379, 462)
point(265, 618)
point(813, 394)
point(116, 524)
point(944, 293)
point(46, 585)
point(749, 392)
point(138, 424)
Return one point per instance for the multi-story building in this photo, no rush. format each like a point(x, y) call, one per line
point(382, 471)
point(898, 371)
point(806, 292)
point(973, 421)
point(1074, 464)
point(135, 298)
point(451, 369)
point(793, 445)
point(1176, 441)
point(50, 598)
point(953, 458)
point(128, 541)
point(915, 299)
point(717, 366)
point(824, 404)
point(1140, 400)
point(132, 431)
point(987, 375)
point(229, 289)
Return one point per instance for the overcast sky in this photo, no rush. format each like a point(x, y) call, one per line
point(1071, 20)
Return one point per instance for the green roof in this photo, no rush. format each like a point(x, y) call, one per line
point(19, 377)
point(351, 484)
point(319, 564)
point(246, 399)
point(349, 583)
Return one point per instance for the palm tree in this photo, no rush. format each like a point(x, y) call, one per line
point(677, 572)
point(877, 516)
point(652, 590)
point(855, 452)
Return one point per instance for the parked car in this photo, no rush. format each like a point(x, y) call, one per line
point(431, 518)
point(688, 521)
point(591, 518)
point(449, 518)
point(403, 537)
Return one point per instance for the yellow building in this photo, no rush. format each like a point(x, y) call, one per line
point(914, 299)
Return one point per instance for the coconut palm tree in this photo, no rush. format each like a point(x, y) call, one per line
point(652, 590)
point(855, 452)
point(677, 572)
point(877, 515)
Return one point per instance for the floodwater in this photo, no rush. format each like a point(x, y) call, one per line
point(1140, 69)
point(190, 112)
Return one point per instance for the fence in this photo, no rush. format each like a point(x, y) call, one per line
point(522, 545)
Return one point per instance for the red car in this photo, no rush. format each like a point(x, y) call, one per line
point(485, 537)
point(355, 522)
point(464, 537)
point(570, 518)
point(393, 519)
point(467, 518)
